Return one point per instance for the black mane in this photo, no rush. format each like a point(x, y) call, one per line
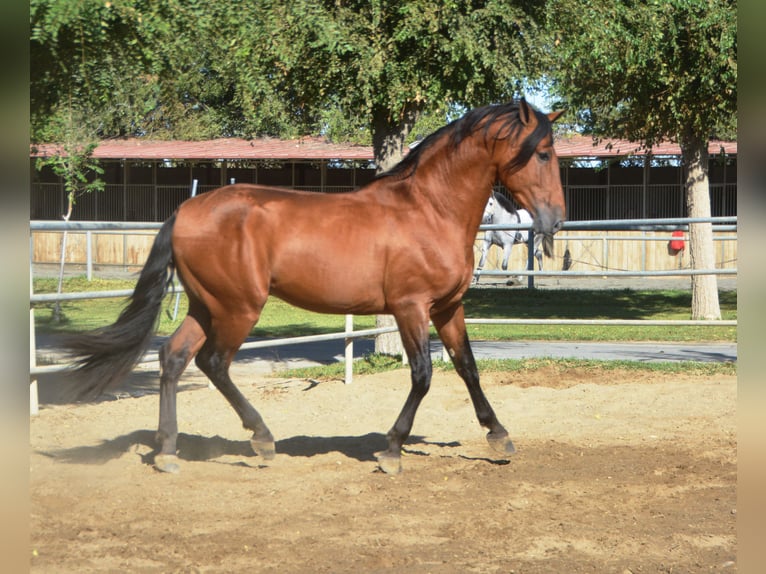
point(505, 202)
point(471, 122)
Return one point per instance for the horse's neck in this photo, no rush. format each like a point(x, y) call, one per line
point(524, 216)
point(502, 215)
point(457, 183)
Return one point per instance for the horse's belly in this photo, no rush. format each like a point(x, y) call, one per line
point(329, 288)
point(330, 299)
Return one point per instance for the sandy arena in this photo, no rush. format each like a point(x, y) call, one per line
point(621, 473)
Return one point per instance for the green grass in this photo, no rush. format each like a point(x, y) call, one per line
point(593, 304)
point(282, 320)
point(379, 363)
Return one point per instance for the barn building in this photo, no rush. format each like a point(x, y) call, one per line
point(146, 180)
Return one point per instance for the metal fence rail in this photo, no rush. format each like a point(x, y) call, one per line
point(665, 273)
point(349, 334)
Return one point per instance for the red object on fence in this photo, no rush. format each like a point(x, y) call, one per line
point(677, 245)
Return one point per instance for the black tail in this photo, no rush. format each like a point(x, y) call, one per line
point(106, 356)
point(567, 260)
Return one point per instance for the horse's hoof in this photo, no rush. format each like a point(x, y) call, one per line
point(167, 463)
point(501, 444)
point(388, 462)
point(264, 448)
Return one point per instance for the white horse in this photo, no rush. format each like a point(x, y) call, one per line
point(500, 210)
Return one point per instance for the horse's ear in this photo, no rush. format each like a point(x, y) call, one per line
point(524, 111)
point(553, 116)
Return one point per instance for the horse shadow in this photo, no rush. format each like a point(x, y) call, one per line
point(60, 388)
point(200, 448)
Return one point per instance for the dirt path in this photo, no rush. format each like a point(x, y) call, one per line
point(621, 474)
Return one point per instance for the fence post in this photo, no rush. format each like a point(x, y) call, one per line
point(531, 258)
point(349, 345)
point(89, 254)
point(33, 399)
point(124, 252)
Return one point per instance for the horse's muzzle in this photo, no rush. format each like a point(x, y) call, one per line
point(548, 222)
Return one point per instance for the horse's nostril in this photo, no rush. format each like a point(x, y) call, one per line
point(558, 225)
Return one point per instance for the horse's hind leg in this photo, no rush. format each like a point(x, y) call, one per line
point(214, 360)
point(413, 328)
point(175, 356)
point(450, 324)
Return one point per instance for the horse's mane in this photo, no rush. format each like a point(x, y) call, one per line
point(474, 120)
point(504, 202)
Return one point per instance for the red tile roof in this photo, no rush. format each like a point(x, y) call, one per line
point(318, 148)
point(583, 146)
point(230, 148)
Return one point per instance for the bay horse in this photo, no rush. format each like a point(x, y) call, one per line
point(400, 245)
point(500, 210)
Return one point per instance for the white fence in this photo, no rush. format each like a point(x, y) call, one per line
point(349, 334)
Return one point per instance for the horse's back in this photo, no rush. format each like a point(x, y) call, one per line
point(246, 241)
point(243, 208)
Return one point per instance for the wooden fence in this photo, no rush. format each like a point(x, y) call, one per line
point(587, 250)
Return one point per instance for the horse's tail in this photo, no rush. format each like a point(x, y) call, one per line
point(106, 355)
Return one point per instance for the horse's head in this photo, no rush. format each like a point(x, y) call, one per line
point(529, 169)
point(489, 209)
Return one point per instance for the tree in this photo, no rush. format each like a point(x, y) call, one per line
point(143, 68)
point(90, 55)
point(244, 68)
point(649, 72)
point(75, 165)
point(387, 63)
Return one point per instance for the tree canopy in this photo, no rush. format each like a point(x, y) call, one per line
point(192, 69)
point(647, 71)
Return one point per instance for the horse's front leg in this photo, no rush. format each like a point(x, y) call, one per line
point(414, 333)
point(538, 247)
point(484, 250)
point(450, 325)
point(507, 246)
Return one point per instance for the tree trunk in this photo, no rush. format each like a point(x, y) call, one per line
point(388, 136)
point(57, 316)
point(705, 303)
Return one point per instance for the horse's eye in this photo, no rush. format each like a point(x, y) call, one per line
point(544, 156)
